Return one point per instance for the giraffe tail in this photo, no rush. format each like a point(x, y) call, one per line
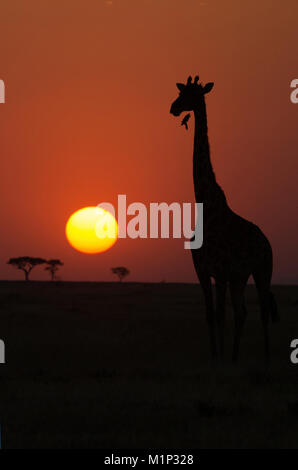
point(273, 309)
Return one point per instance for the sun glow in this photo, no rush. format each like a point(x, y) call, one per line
point(91, 230)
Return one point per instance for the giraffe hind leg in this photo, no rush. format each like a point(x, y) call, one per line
point(221, 287)
point(267, 305)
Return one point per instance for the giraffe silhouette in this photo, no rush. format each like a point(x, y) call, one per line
point(233, 248)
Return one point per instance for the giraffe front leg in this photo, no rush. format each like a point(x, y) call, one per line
point(205, 282)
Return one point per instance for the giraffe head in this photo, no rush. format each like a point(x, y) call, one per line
point(191, 96)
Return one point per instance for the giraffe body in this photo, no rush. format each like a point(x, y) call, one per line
point(233, 248)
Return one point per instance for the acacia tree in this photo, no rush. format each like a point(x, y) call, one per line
point(53, 266)
point(26, 264)
point(121, 272)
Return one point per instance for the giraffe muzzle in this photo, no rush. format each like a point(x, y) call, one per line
point(175, 111)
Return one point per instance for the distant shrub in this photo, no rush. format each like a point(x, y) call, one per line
point(121, 272)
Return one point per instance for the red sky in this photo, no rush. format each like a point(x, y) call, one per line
point(89, 85)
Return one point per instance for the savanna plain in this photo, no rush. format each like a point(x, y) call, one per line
point(127, 365)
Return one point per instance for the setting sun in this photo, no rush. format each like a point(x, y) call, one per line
point(91, 230)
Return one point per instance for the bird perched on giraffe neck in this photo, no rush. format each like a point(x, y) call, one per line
point(185, 121)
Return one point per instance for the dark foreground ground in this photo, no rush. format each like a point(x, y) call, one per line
point(127, 366)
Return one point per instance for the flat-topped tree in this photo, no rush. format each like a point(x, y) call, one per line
point(53, 266)
point(121, 272)
point(26, 264)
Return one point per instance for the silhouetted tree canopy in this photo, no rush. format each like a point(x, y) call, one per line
point(121, 272)
point(53, 266)
point(26, 264)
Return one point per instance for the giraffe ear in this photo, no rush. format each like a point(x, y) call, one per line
point(208, 87)
point(180, 86)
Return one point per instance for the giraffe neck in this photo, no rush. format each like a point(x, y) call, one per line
point(206, 188)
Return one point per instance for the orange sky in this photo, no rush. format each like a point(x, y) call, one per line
point(89, 85)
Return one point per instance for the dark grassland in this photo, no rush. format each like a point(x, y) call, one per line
point(106, 365)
